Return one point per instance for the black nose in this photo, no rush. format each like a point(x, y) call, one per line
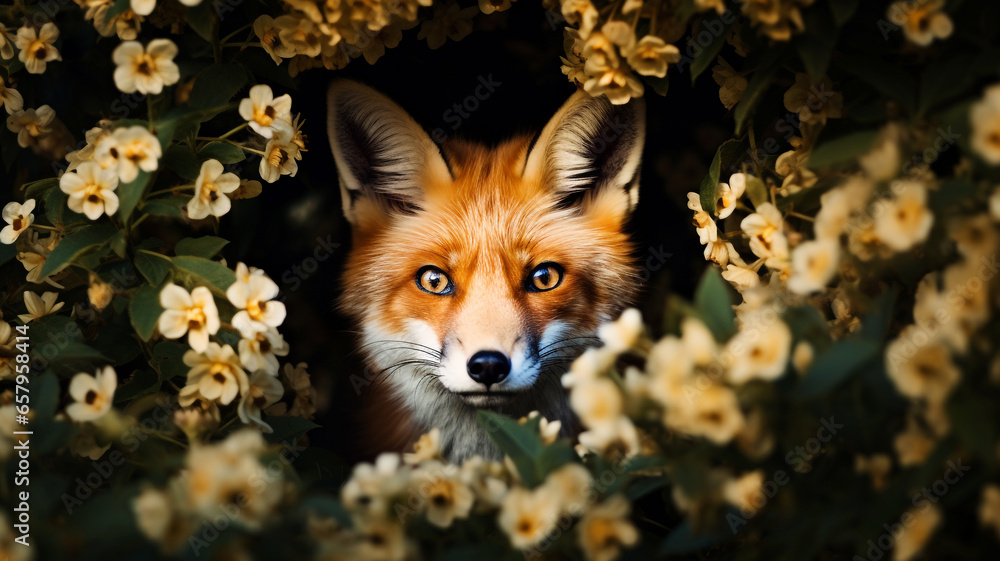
point(489, 367)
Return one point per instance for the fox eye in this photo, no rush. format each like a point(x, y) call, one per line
point(545, 277)
point(432, 280)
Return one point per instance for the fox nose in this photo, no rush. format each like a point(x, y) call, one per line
point(489, 367)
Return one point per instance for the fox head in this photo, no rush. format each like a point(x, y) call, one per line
point(478, 273)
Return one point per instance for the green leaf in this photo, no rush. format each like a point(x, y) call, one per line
point(142, 382)
point(288, 430)
point(836, 364)
point(326, 506)
point(888, 79)
point(724, 158)
point(166, 206)
point(74, 245)
point(153, 266)
point(684, 540)
point(759, 83)
point(216, 85)
point(206, 246)
point(969, 413)
point(145, 311)
point(706, 56)
point(168, 360)
point(119, 243)
point(182, 160)
point(117, 8)
point(38, 189)
point(518, 441)
point(843, 10)
point(844, 150)
point(129, 194)
point(756, 190)
point(225, 152)
point(203, 272)
point(816, 47)
point(203, 21)
point(713, 299)
point(57, 211)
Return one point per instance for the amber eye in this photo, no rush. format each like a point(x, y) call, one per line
point(432, 280)
point(545, 277)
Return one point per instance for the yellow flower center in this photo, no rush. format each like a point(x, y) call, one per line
point(196, 318)
point(264, 115)
point(256, 309)
point(38, 49)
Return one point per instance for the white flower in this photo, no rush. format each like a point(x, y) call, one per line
point(708, 232)
point(919, 369)
point(91, 190)
point(261, 351)
point(744, 492)
point(984, 116)
point(743, 277)
point(263, 390)
point(31, 124)
point(280, 156)
point(446, 496)
point(39, 306)
point(995, 205)
point(372, 486)
point(571, 484)
point(713, 413)
point(729, 194)
point(597, 402)
point(651, 55)
point(10, 98)
point(605, 529)
point(143, 7)
point(37, 48)
point(767, 238)
point(215, 375)
point(194, 314)
point(904, 221)
point(622, 334)
point(814, 263)
point(527, 517)
point(760, 349)
point(922, 20)
point(18, 218)
point(210, 190)
point(145, 70)
point(154, 510)
point(253, 298)
point(264, 112)
point(92, 395)
point(132, 149)
point(427, 447)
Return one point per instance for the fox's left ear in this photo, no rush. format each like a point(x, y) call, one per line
point(383, 156)
point(590, 150)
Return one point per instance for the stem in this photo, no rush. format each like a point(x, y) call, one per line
point(44, 227)
point(139, 221)
point(234, 33)
point(802, 216)
point(170, 190)
point(166, 438)
point(234, 131)
point(244, 45)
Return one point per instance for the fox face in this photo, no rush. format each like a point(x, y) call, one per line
point(478, 273)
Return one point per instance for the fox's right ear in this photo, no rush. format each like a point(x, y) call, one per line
point(383, 156)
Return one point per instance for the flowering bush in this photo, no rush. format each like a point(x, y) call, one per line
point(828, 392)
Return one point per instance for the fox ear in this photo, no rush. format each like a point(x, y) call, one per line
point(383, 156)
point(591, 149)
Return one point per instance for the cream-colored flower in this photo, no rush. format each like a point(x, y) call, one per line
point(91, 190)
point(39, 306)
point(143, 7)
point(487, 481)
point(263, 389)
point(989, 507)
point(745, 492)
point(778, 19)
point(31, 124)
point(742, 276)
point(712, 412)
point(8, 338)
point(154, 511)
point(261, 352)
point(921, 371)
point(669, 366)
point(882, 162)
point(814, 102)
point(269, 34)
point(719, 251)
point(877, 466)
point(210, 190)
point(92, 395)
point(814, 263)
point(618, 84)
point(528, 516)
point(581, 13)
point(708, 231)
point(760, 350)
point(765, 228)
point(130, 149)
point(729, 194)
point(616, 439)
point(622, 334)
point(572, 486)
point(372, 487)
point(994, 203)
point(651, 56)
point(838, 204)
point(490, 6)
point(913, 445)
point(6, 43)
point(704, 5)
point(911, 537)
point(145, 70)
point(446, 496)
point(10, 98)
point(18, 218)
point(731, 83)
point(99, 293)
point(922, 21)
point(903, 221)
point(194, 314)
point(426, 448)
point(984, 116)
point(265, 112)
point(604, 530)
point(548, 430)
point(254, 299)
point(449, 21)
point(216, 375)
point(37, 48)
point(280, 156)
point(597, 402)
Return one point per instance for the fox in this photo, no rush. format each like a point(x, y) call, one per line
point(477, 273)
